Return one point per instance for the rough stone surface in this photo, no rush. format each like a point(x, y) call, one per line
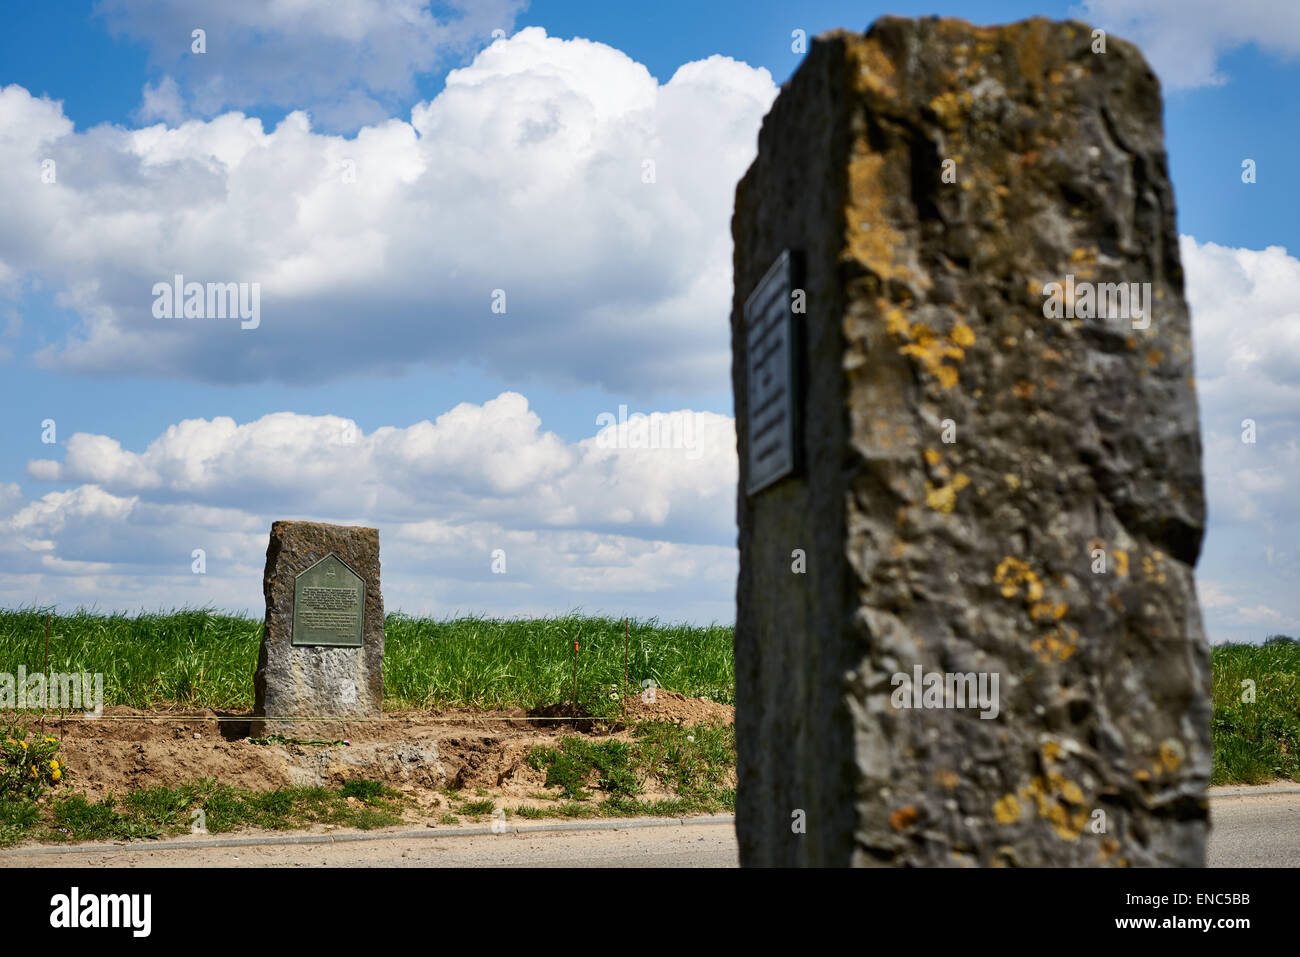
point(925, 307)
point(313, 681)
point(403, 763)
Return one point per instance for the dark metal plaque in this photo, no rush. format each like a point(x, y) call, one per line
point(770, 374)
point(329, 604)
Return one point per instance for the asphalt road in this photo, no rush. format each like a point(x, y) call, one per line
point(694, 842)
point(1255, 827)
point(1252, 827)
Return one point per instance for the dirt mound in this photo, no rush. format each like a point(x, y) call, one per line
point(679, 709)
point(419, 753)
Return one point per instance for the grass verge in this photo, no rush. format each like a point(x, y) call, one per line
point(165, 811)
point(1256, 724)
point(691, 763)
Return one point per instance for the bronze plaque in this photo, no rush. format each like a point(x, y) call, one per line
point(329, 604)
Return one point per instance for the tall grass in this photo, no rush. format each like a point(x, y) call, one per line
point(191, 657)
point(1256, 741)
point(497, 663)
point(198, 658)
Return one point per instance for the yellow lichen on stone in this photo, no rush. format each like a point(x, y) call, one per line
point(896, 323)
point(920, 342)
point(1057, 645)
point(1078, 821)
point(904, 817)
point(932, 457)
point(931, 349)
point(1171, 754)
point(1151, 568)
point(1011, 573)
point(1046, 609)
point(1121, 563)
point(1029, 40)
point(1006, 809)
point(946, 779)
point(871, 66)
point(944, 498)
point(870, 239)
point(951, 108)
point(1053, 795)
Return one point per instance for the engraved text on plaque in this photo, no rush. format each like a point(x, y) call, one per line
point(770, 345)
point(329, 601)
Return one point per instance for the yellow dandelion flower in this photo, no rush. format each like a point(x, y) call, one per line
point(54, 765)
point(24, 744)
point(57, 774)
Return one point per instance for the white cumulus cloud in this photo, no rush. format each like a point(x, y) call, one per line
point(346, 60)
point(1245, 307)
point(553, 179)
point(610, 521)
point(1183, 40)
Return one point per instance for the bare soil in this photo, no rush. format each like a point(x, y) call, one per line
point(418, 753)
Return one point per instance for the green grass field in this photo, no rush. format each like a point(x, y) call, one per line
point(195, 658)
point(1256, 741)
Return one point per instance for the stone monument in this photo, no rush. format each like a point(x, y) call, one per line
point(322, 654)
point(970, 495)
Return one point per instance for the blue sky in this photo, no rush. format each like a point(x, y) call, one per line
point(463, 430)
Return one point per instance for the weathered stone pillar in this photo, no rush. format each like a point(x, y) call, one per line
point(970, 470)
point(322, 653)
